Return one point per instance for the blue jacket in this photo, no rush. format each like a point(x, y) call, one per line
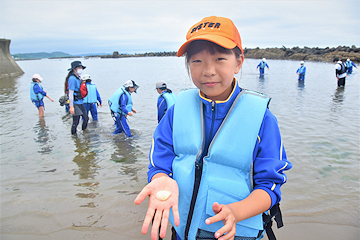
point(262, 65)
point(74, 84)
point(121, 101)
point(301, 70)
point(268, 155)
point(36, 92)
point(165, 101)
point(350, 64)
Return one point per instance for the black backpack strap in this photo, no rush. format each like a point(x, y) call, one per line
point(173, 234)
point(275, 213)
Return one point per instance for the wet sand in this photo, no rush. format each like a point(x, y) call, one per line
point(298, 231)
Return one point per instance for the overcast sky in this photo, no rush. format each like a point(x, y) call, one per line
point(101, 26)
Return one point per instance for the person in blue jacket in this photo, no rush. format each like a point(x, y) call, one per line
point(165, 100)
point(37, 93)
point(350, 65)
point(216, 158)
point(261, 66)
point(76, 107)
point(92, 97)
point(301, 71)
point(121, 106)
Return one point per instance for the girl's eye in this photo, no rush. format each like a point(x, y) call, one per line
point(220, 58)
point(196, 61)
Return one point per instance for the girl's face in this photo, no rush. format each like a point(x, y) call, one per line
point(213, 74)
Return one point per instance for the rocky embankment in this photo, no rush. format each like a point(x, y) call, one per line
point(306, 54)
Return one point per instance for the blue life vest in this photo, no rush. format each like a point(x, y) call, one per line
point(170, 98)
point(33, 95)
point(91, 96)
point(302, 69)
point(263, 64)
point(114, 101)
point(227, 169)
point(348, 64)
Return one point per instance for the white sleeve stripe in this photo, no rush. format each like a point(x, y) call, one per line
point(151, 153)
point(282, 167)
point(281, 150)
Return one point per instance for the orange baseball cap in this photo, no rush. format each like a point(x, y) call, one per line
point(219, 30)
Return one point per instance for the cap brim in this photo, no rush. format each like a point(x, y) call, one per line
point(220, 40)
point(83, 67)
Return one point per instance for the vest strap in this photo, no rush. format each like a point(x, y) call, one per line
point(276, 213)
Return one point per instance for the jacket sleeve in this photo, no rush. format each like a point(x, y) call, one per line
point(161, 153)
point(98, 96)
point(161, 106)
point(38, 89)
point(122, 103)
point(270, 159)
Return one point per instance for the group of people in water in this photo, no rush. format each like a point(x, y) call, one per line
point(341, 69)
point(81, 97)
point(216, 161)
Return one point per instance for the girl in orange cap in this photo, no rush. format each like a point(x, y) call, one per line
point(217, 158)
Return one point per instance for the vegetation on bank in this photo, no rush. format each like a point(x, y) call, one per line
point(296, 53)
point(40, 55)
point(306, 54)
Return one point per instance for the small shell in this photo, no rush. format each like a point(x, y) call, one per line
point(163, 195)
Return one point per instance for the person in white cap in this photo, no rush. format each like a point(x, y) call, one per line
point(37, 93)
point(350, 65)
point(261, 66)
point(301, 71)
point(121, 106)
point(165, 100)
point(92, 97)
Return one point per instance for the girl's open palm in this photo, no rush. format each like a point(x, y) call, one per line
point(158, 208)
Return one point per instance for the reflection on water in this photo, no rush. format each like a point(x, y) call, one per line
point(124, 150)
point(339, 95)
point(301, 85)
point(85, 158)
point(262, 83)
point(43, 136)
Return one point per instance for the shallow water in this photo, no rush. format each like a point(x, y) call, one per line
point(56, 186)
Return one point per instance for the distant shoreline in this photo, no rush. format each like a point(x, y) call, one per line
point(296, 53)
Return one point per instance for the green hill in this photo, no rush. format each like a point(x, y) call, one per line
point(40, 55)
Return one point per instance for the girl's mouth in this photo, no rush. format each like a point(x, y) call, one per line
point(210, 84)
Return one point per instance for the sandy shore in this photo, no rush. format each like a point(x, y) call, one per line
point(298, 231)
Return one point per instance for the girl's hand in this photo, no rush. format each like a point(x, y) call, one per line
point(158, 209)
point(134, 111)
point(226, 214)
point(130, 114)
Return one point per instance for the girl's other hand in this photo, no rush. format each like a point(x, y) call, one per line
point(226, 214)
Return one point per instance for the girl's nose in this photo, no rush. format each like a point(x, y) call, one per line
point(209, 70)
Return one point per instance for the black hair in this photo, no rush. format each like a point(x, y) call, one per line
point(201, 45)
point(34, 79)
point(66, 87)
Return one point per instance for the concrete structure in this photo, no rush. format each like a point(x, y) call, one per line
point(8, 66)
